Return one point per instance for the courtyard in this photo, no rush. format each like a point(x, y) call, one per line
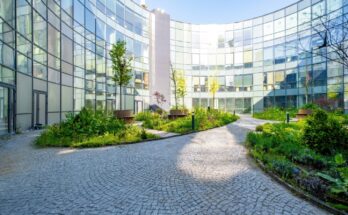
point(203, 173)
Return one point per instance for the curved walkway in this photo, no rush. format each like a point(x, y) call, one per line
point(203, 173)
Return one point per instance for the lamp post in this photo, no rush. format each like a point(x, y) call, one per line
point(193, 121)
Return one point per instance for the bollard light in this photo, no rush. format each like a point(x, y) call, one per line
point(287, 117)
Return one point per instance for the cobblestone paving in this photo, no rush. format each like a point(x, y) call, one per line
point(204, 173)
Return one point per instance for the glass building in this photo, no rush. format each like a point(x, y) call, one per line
point(54, 58)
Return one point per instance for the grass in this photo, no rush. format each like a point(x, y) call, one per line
point(275, 113)
point(280, 147)
point(203, 120)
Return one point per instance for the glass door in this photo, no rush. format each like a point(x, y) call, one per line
point(40, 109)
point(138, 106)
point(6, 110)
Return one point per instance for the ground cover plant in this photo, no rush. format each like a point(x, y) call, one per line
point(310, 154)
point(204, 120)
point(90, 129)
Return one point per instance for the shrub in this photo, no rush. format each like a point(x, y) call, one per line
point(313, 185)
point(90, 129)
point(283, 167)
point(324, 134)
point(310, 106)
point(203, 120)
point(310, 158)
point(259, 128)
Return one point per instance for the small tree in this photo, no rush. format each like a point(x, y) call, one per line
point(181, 88)
point(121, 66)
point(160, 99)
point(213, 88)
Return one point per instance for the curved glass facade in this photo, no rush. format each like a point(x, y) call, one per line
point(54, 58)
point(262, 62)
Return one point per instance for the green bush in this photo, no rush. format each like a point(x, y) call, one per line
point(282, 149)
point(283, 167)
point(204, 120)
point(88, 129)
point(310, 106)
point(324, 134)
point(129, 135)
point(259, 128)
point(275, 113)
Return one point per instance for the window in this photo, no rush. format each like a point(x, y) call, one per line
point(291, 78)
point(319, 74)
point(304, 16)
point(7, 11)
point(258, 55)
point(90, 21)
point(67, 49)
point(257, 31)
point(291, 21)
point(238, 59)
point(120, 13)
point(268, 56)
point(268, 28)
point(279, 54)
point(40, 31)
point(248, 59)
point(318, 10)
point(333, 5)
point(291, 51)
point(79, 10)
point(67, 5)
point(23, 64)
point(279, 25)
point(100, 29)
point(230, 83)
point(24, 24)
point(53, 41)
point(279, 78)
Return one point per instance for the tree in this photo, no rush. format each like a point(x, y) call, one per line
point(160, 99)
point(121, 66)
point(181, 88)
point(213, 87)
point(329, 41)
point(174, 78)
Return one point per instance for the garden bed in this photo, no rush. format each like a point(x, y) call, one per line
point(275, 113)
point(204, 120)
point(91, 129)
point(310, 155)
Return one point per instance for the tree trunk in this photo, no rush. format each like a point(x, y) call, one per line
point(183, 102)
point(213, 101)
point(306, 93)
point(176, 100)
point(121, 97)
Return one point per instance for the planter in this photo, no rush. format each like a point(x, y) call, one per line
point(174, 114)
point(126, 115)
point(303, 113)
point(178, 112)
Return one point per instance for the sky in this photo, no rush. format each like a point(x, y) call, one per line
point(216, 11)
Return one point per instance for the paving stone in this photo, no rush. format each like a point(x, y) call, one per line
point(204, 173)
